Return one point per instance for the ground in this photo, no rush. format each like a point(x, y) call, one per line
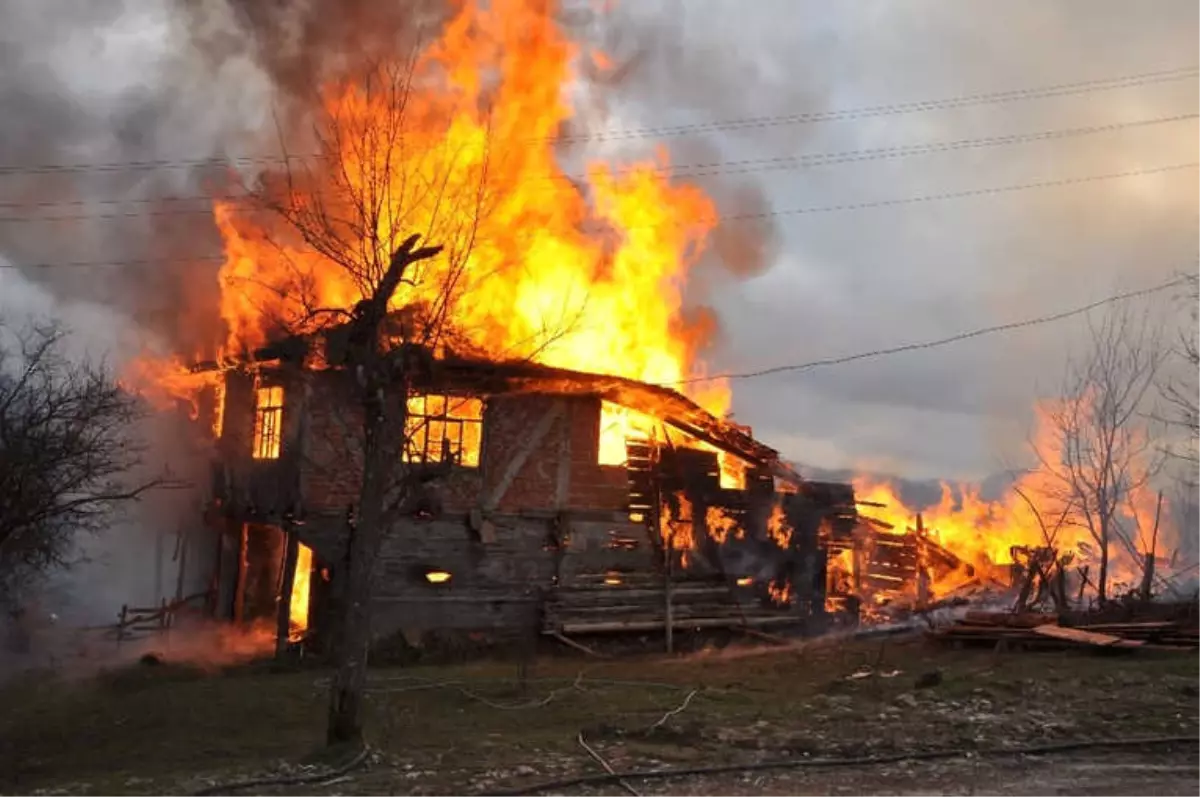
point(468, 729)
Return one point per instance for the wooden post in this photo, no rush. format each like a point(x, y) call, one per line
point(922, 575)
point(164, 621)
point(121, 624)
point(1148, 568)
point(239, 595)
point(183, 551)
point(669, 616)
point(283, 612)
point(159, 551)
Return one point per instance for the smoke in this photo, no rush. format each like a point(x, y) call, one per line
point(110, 116)
point(137, 560)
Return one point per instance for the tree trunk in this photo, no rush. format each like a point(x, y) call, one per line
point(283, 612)
point(1102, 579)
point(351, 654)
point(383, 435)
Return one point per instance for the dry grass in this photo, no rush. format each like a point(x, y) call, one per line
point(466, 728)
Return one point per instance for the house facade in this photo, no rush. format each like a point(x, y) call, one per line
point(550, 501)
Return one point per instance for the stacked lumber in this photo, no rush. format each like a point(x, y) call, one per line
point(1046, 631)
point(638, 603)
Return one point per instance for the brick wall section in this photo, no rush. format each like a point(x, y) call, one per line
point(260, 487)
point(320, 464)
point(510, 420)
point(329, 475)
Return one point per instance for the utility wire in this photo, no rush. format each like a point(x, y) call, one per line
point(930, 344)
point(894, 109)
point(890, 109)
point(809, 160)
point(118, 263)
point(967, 193)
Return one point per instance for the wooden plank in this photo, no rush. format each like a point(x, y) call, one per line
point(1076, 635)
point(1117, 627)
point(654, 625)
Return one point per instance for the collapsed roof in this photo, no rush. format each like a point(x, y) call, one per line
point(490, 376)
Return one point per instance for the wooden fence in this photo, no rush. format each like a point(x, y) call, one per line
point(137, 623)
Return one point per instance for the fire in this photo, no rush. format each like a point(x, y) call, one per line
point(437, 577)
point(984, 534)
point(780, 592)
point(677, 528)
point(721, 526)
point(587, 273)
point(778, 527)
point(165, 381)
point(301, 588)
point(619, 425)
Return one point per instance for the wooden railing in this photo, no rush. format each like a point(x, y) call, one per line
point(135, 623)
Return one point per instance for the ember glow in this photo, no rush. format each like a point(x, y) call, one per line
point(301, 591)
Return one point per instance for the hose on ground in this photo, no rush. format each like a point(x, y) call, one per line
point(307, 778)
point(803, 763)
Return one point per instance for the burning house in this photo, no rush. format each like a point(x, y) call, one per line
point(561, 487)
point(549, 500)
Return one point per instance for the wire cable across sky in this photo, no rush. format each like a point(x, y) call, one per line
point(930, 344)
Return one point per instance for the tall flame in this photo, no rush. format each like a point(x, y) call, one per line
point(301, 590)
point(587, 273)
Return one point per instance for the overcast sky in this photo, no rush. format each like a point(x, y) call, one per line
point(122, 82)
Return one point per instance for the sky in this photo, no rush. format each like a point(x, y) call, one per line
point(142, 80)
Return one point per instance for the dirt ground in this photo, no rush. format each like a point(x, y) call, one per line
point(470, 729)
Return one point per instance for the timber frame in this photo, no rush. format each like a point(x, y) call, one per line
point(538, 537)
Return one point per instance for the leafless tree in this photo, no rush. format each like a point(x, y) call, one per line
point(1103, 451)
point(1182, 395)
point(68, 454)
point(389, 172)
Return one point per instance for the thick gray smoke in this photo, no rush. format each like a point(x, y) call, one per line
point(140, 558)
point(119, 116)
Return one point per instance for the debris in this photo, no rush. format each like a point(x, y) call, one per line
point(907, 699)
point(1174, 628)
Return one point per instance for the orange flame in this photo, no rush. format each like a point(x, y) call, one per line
point(588, 272)
point(778, 527)
point(984, 533)
point(301, 589)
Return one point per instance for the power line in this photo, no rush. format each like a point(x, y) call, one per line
point(910, 150)
point(818, 209)
point(967, 194)
point(891, 109)
point(686, 170)
point(930, 344)
point(118, 263)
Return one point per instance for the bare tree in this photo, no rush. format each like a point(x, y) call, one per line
point(1102, 451)
point(1183, 395)
point(389, 173)
point(67, 452)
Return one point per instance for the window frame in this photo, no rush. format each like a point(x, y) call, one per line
point(443, 422)
point(266, 441)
